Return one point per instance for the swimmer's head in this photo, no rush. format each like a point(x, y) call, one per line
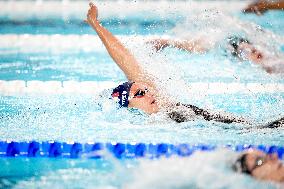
point(135, 95)
point(235, 42)
point(260, 165)
point(244, 50)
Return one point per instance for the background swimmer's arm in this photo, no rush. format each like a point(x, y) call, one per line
point(190, 46)
point(121, 55)
point(261, 6)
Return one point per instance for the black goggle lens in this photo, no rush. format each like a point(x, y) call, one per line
point(140, 93)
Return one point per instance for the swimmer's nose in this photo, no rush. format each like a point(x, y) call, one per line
point(149, 94)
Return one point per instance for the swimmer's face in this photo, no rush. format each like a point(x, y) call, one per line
point(247, 51)
point(142, 97)
point(265, 167)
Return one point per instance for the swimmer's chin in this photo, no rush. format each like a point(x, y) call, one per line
point(153, 110)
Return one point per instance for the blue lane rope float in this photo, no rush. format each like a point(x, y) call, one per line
point(119, 150)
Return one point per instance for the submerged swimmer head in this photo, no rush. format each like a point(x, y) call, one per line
point(260, 165)
point(235, 41)
point(243, 49)
point(135, 95)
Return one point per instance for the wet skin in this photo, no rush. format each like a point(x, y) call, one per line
point(247, 51)
point(264, 166)
point(146, 102)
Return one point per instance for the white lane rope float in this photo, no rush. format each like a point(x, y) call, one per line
point(21, 87)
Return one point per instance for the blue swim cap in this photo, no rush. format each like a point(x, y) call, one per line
point(121, 93)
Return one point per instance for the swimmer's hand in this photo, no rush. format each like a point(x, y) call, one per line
point(258, 7)
point(92, 15)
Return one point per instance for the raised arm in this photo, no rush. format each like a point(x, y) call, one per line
point(121, 55)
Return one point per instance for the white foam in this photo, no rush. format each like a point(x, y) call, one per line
point(200, 170)
point(57, 43)
point(19, 87)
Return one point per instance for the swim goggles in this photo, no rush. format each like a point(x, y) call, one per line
point(242, 167)
point(140, 93)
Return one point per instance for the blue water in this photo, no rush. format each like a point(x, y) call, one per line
point(73, 26)
point(271, 20)
point(31, 49)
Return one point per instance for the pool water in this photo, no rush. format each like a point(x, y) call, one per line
point(48, 41)
point(81, 118)
point(194, 172)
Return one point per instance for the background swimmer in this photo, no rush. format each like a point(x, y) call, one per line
point(239, 47)
point(213, 30)
point(201, 170)
point(245, 50)
point(260, 165)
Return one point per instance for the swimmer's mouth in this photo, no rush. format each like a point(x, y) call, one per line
point(153, 102)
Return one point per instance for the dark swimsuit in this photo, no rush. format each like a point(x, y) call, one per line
point(179, 117)
point(275, 124)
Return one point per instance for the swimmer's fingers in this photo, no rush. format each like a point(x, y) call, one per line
point(93, 7)
point(92, 13)
point(87, 20)
point(91, 4)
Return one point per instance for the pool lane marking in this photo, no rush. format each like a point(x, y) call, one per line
point(20, 87)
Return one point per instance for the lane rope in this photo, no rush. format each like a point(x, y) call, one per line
point(56, 149)
point(20, 87)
